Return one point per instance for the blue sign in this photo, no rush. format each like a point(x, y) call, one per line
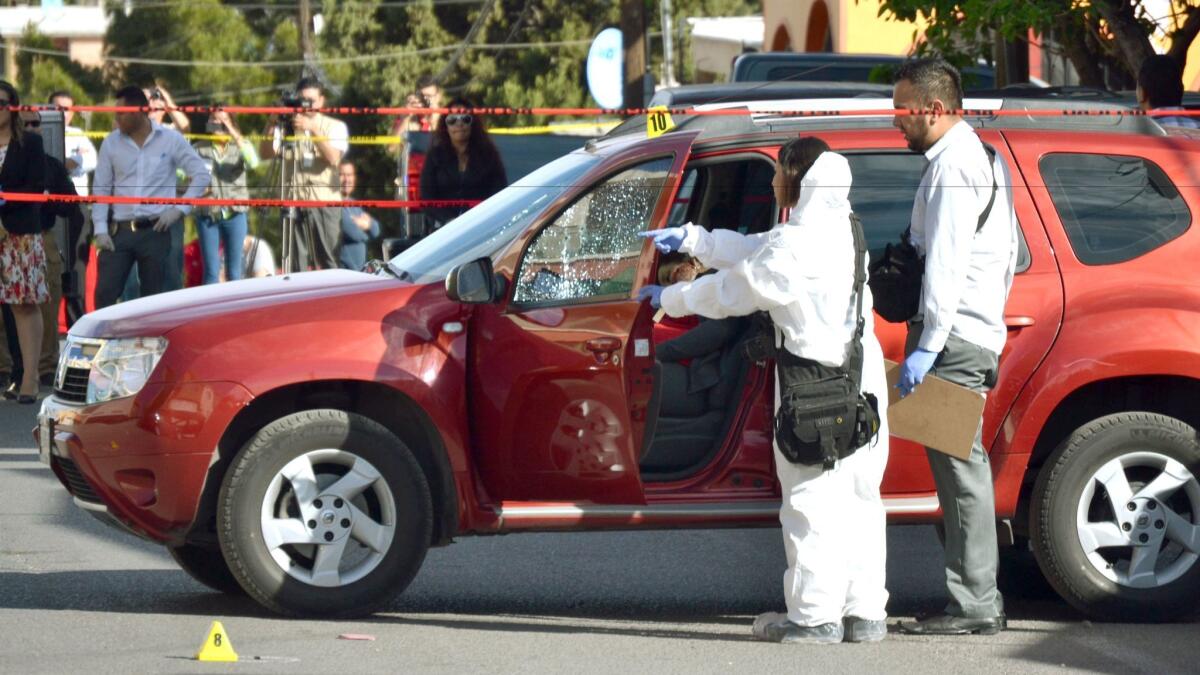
point(606, 69)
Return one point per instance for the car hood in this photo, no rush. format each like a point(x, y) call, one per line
point(158, 314)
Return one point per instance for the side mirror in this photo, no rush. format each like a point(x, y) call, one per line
point(474, 283)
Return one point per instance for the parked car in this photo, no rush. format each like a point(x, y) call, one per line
point(305, 439)
point(702, 94)
point(829, 67)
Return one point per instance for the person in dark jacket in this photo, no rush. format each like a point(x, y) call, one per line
point(22, 256)
point(463, 163)
point(58, 182)
point(358, 227)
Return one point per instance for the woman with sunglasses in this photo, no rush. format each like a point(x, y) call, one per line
point(463, 163)
point(23, 284)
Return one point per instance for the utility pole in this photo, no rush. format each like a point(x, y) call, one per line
point(633, 33)
point(668, 46)
point(306, 42)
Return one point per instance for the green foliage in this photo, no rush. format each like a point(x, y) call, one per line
point(1110, 33)
point(199, 30)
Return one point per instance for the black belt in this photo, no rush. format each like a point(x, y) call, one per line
point(133, 225)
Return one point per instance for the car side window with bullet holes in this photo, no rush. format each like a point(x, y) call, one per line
point(591, 250)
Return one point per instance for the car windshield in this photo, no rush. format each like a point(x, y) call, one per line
point(488, 228)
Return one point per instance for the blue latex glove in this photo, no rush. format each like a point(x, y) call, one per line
point(667, 239)
point(653, 293)
point(914, 370)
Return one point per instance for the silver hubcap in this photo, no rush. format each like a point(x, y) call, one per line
point(1138, 520)
point(328, 518)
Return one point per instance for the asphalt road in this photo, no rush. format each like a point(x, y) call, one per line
point(76, 596)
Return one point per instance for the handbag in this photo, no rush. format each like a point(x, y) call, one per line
point(897, 277)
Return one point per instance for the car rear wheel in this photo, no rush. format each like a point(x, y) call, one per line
point(208, 566)
point(325, 512)
point(1116, 518)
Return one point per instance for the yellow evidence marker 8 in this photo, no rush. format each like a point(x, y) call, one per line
point(658, 121)
point(217, 646)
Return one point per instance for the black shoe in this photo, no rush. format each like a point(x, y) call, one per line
point(944, 624)
point(10, 392)
point(26, 399)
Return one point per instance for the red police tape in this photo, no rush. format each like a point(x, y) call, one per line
point(270, 203)
point(623, 112)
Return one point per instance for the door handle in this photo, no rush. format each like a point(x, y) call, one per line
point(1018, 322)
point(603, 345)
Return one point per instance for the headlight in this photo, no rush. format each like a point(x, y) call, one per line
point(121, 367)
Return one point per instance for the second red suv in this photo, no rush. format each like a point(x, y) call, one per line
point(306, 438)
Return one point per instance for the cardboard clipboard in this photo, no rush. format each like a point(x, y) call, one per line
point(938, 414)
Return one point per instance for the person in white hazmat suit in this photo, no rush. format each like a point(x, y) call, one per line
point(802, 274)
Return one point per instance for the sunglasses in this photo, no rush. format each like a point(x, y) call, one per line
point(32, 124)
point(456, 120)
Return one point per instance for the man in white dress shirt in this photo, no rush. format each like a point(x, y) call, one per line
point(139, 159)
point(964, 225)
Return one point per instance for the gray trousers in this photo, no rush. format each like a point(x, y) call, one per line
point(323, 228)
point(965, 490)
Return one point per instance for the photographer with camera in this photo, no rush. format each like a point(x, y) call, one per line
point(160, 100)
point(227, 157)
point(310, 146)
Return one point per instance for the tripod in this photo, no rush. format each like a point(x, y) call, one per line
point(295, 242)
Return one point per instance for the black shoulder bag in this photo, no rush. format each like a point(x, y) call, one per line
point(897, 276)
point(823, 415)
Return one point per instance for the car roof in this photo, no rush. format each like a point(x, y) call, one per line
point(765, 117)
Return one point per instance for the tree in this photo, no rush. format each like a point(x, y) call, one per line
point(1096, 36)
point(200, 30)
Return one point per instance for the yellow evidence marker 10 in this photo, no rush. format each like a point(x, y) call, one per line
point(217, 646)
point(658, 121)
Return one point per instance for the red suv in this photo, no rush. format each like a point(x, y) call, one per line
point(306, 438)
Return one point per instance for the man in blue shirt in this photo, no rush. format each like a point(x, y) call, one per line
point(358, 227)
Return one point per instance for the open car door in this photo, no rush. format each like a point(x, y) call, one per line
point(561, 374)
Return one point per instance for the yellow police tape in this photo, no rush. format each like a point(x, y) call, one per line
point(597, 127)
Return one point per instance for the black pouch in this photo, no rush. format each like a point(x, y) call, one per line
point(815, 424)
point(896, 278)
point(895, 281)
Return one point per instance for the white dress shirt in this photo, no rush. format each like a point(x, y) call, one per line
point(83, 153)
point(124, 169)
point(801, 272)
point(967, 275)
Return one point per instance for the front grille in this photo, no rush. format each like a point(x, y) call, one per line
point(77, 485)
point(73, 387)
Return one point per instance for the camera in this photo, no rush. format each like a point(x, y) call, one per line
point(156, 94)
point(293, 99)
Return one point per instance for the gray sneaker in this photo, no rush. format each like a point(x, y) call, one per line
point(775, 627)
point(863, 630)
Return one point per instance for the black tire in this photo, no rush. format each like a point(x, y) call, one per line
point(208, 566)
point(1019, 576)
point(244, 489)
point(1056, 502)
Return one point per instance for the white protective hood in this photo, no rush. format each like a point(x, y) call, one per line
point(824, 193)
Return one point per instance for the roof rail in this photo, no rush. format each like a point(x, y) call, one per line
point(1073, 115)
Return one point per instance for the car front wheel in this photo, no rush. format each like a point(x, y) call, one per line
point(324, 512)
point(1116, 518)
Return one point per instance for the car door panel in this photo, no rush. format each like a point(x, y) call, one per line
point(562, 373)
